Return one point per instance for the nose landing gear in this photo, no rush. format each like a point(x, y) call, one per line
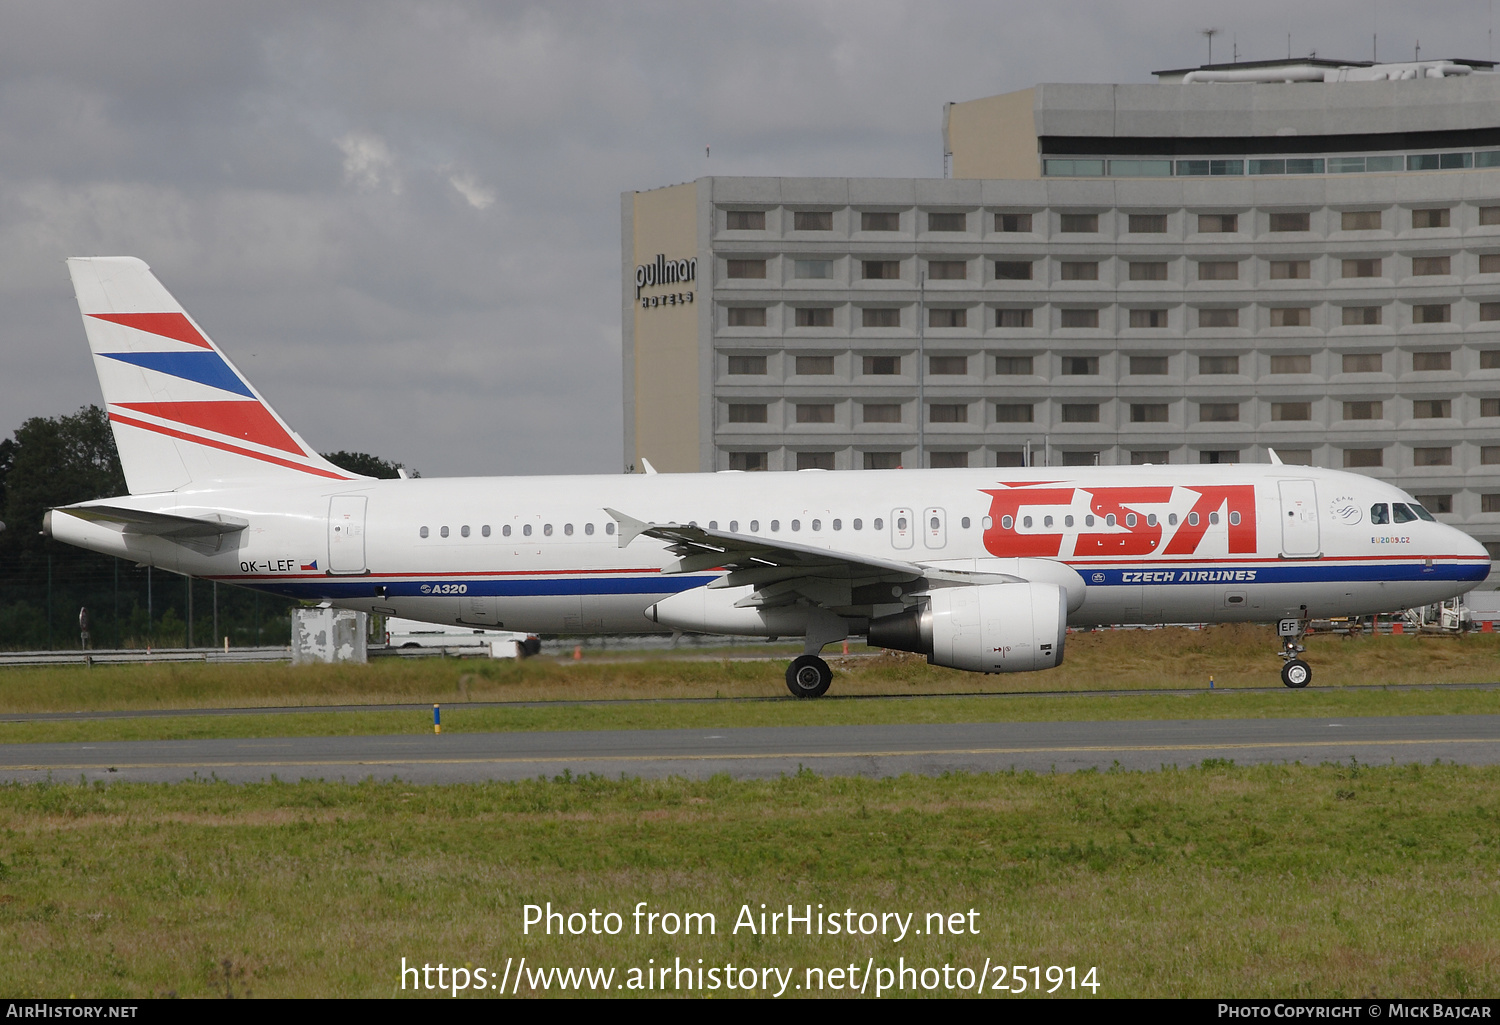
point(1295, 673)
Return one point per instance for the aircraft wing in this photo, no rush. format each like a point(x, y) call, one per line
point(784, 572)
point(168, 525)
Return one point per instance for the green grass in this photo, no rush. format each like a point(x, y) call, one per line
point(1214, 881)
point(461, 718)
point(1236, 656)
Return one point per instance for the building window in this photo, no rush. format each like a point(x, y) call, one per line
point(948, 460)
point(1360, 220)
point(812, 220)
point(1218, 318)
point(1489, 455)
point(1009, 459)
point(1148, 318)
point(1014, 413)
point(1080, 458)
point(948, 413)
point(1489, 407)
point(1291, 411)
point(1363, 458)
point(1489, 263)
point(1489, 504)
point(1148, 224)
point(1489, 311)
point(1079, 318)
point(750, 366)
point(947, 318)
point(950, 365)
point(1282, 270)
point(1218, 270)
point(947, 270)
point(1213, 457)
point(1218, 364)
point(1431, 361)
point(879, 220)
point(1216, 223)
point(1361, 268)
point(1013, 270)
point(814, 316)
point(814, 366)
point(1292, 221)
point(1148, 270)
point(1080, 270)
point(745, 268)
point(812, 461)
point(1363, 362)
point(1295, 456)
point(745, 220)
point(1426, 266)
point(880, 270)
point(747, 412)
point(1437, 313)
point(1080, 366)
point(1150, 456)
point(1430, 218)
point(1010, 223)
point(1013, 318)
point(947, 222)
point(1360, 315)
point(812, 269)
point(882, 366)
point(882, 412)
point(815, 412)
point(1078, 223)
point(747, 316)
point(1148, 413)
point(1363, 410)
point(1436, 503)
point(1009, 366)
point(1489, 359)
point(1144, 366)
point(1489, 215)
point(1291, 316)
point(1431, 409)
point(1218, 412)
point(1432, 457)
point(882, 461)
point(1080, 412)
point(1297, 364)
point(879, 316)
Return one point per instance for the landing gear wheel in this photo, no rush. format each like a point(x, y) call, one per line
point(1296, 674)
point(808, 677)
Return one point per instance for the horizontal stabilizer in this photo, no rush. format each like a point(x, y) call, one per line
point(168, 525)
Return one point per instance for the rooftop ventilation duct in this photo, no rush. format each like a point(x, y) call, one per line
point(1313, 73)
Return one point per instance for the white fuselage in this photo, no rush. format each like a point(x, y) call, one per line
point(540, 554)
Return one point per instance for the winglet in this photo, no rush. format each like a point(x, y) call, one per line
point(1275, 459)
point(630, 527)
point(646, 466)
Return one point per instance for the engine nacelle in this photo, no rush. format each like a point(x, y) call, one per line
point(992, 628)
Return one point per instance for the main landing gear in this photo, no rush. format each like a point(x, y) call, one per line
point(808, 676)
point(1295, 673)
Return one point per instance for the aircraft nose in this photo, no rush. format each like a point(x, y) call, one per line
point(1468, 548)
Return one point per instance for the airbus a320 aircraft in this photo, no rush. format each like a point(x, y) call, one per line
point(980, 569)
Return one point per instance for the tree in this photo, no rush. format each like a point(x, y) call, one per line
point(366, 464)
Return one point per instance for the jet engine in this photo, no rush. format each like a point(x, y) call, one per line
point(989, 628)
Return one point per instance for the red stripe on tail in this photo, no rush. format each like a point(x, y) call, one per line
point(168, 325)
point(277, 460)
point(249, 421)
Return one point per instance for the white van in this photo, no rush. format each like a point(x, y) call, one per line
point(408, 633)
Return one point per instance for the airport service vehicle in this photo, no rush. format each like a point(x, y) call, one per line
point(979, 569)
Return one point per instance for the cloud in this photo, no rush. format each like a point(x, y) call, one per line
point(479, 197)
point(368, 163)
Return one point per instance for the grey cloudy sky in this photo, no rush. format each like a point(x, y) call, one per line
point(402, 219)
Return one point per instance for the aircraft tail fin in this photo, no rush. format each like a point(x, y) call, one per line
point(182, 414)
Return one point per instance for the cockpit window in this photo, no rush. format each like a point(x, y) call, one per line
point(1403, 512)
point(1380, 513)
point(1422, 513)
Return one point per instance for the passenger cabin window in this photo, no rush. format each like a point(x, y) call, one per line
point(609, 528)
point(443, 531)
point(464, 530)
point(526, 529)
point(505, 530)
point(484, 531)
point(422, 532)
